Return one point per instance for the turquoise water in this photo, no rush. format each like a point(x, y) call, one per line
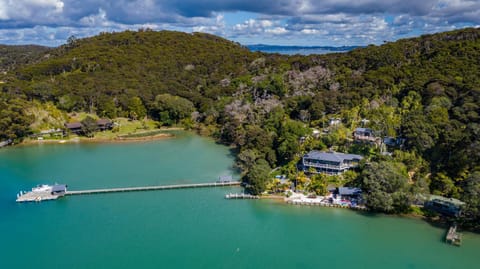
point(193, 228)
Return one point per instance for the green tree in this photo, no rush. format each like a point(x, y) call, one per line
point(385, 119)
point(318, 184)
point(72, 41)
point(288, 144)
point(443, 185)
point(172, 108)
point(386, 187)
point(89, 126)
point(471, 197)
point(247, 158)
point(136, 108)
point(107, 108)
point(14, 122)
point(419, 132)
point(257, 177)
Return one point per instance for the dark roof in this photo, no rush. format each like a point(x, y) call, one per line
point(73, 125)
point(332, 156)
point(59, 187)
point(349, 191)
point(446, 200)
point(103, 121)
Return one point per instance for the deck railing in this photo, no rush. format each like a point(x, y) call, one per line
point(327, 166)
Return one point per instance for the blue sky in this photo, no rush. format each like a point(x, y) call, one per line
point(280, 22)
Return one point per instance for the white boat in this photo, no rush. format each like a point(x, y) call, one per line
point(42, 188)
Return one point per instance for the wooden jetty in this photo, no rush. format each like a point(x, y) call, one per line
point(47, 194)
point(453, 237)
point(155, 188)
point(241, 196)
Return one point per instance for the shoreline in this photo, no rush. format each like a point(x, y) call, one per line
point(116, 139)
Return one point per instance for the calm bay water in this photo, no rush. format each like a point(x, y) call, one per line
point(193, 228)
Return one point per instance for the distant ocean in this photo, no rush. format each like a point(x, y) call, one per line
point(307, 50)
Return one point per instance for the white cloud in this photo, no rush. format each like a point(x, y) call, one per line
point(254, 27)
point(99, 19)
point(266, 23)
point(309, 31)
point(277, 31)
point(30, 9)
point(212, 26)
point(339, 22)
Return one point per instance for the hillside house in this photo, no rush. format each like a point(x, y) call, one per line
point(392, 141)
point(365, 135)
point(332, 163)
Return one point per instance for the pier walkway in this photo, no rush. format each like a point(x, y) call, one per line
point(155, 188)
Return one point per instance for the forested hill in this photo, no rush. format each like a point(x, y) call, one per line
point(144, 64)
point(425, 90)
point(12, 57)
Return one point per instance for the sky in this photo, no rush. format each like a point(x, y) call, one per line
point(276, 22)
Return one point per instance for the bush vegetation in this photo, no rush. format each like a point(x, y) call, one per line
point(425, 90)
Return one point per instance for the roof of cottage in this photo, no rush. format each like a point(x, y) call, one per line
point(332, 156)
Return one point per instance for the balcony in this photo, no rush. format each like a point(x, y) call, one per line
point(328, 166)
point(366, 138)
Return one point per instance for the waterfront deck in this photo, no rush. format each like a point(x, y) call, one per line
point(453, 237)
point(324, 204)
point(36, 197)
point(241, 196)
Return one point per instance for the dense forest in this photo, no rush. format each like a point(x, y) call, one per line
point(425, 90)
point(12, 57)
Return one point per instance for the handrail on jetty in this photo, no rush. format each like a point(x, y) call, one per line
point(155, 188)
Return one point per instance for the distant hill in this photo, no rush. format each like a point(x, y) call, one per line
point(12, 57)
point(202, 68)
point(303, 50)
point(144, 64)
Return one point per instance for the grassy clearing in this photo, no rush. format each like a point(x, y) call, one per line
point(126, 127)
point(143, 134)
point(131, 129)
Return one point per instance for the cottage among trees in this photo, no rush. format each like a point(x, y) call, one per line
point(80, 128)
point(364, 135)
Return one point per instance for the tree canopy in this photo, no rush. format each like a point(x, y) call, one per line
point(386, 187)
